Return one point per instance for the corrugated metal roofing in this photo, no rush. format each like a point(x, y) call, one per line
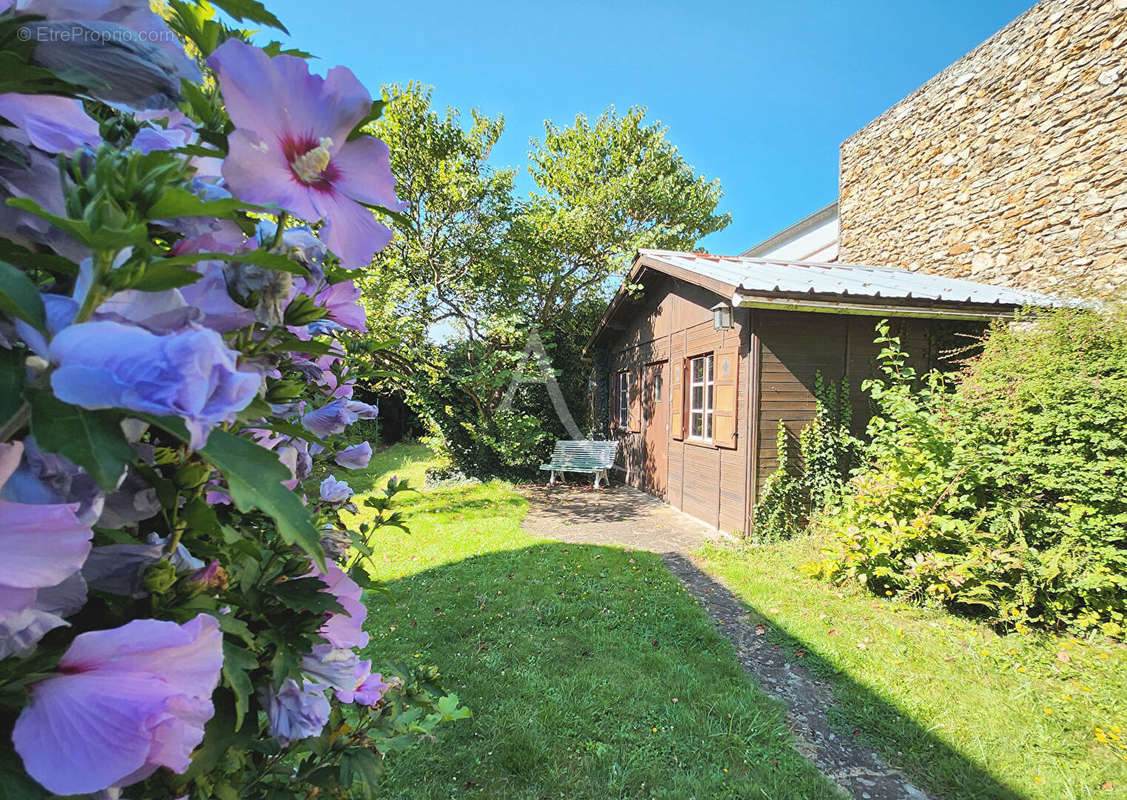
point(764, 276)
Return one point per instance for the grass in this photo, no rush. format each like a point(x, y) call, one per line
point(947, 699)
point(590, 672)
point(571, 657)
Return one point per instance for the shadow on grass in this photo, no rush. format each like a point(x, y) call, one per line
point(591, 674)
point(570, 657)
point(841, 739)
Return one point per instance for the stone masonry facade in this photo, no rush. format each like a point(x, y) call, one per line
point(1010, 166)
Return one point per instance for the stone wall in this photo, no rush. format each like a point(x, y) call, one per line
point(1008, 167)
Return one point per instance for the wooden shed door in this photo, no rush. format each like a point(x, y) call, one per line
point(655, 411)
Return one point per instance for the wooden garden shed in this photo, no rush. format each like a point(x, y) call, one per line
point(695, 369)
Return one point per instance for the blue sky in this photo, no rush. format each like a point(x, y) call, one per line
point(758, 94)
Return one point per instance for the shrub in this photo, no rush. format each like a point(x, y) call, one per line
point(800, 488)
point(998, 491)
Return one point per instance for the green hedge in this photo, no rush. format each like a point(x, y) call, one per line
point(1001, 491)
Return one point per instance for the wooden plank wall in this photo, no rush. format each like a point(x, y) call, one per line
point(794, 346)
point(674, 322)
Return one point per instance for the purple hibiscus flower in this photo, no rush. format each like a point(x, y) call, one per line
point(289, 455)
point(206, 301)
point(351, 679)
point(51, 479)
point(38, 179)
point(295, 711)
point(371, 690)
point(121, 50)
point(355, 457)
point(120, 568)
point(216, 236)
point(340, 300)
point(126, 702)
point(343, 630)
point(363, 410)
point(209, 294)
point(44, 547)
point(53, 124)
point(334, 491)
point(290, 147)
point(330, 418)
point(192, 374)
point(168, 129)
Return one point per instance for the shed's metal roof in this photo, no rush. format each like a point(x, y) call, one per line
point(765, 276)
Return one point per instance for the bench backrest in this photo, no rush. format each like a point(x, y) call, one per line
point(585, 453)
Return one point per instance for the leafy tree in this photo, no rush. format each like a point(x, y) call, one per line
point(605, 190)
point(470, 252)
point(448, 260)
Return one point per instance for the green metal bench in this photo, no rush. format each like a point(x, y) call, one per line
point(583, 455)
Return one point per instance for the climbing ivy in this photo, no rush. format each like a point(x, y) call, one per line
point(801, 487)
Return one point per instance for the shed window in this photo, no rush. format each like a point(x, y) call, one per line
point(700, 398)
point(622, 409)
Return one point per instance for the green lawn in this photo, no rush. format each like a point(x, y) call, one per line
point(590, 672)
point(571, 658)
point(965, 711)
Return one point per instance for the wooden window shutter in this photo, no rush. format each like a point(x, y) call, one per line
point(677, 397)
point(634, 413)
point(725, 395)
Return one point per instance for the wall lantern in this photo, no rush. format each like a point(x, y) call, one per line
point(721, 316)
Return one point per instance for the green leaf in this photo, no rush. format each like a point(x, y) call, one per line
point(250, 10)
point(159, 276)
point(275, 48)
point(404, 222)
point(200, 516)
point(23, 257)
point(284, 664)
point(229, 623)
point(19, 297)
point(450, 710)
point(16, 75)
point(374, 113)
point(361, 577)
point(220, 736)
point(13, 376)
point(360, 773)
point(306, 594)
point(101, 239)
point(14, 782)
point(262, 258)
point(290, 429)
point(254, 479)
point(177, 202)
point(237, 662)
point(91, 439)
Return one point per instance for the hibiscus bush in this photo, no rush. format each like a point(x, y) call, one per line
point(183, 214)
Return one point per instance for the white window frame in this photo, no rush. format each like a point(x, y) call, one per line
point(707, 385)
point(622, 412)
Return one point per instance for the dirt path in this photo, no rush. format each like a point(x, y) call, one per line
point(622, 516)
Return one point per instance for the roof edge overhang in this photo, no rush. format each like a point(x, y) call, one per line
point(642, 262)
point(820, 304)
point(858, 307)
